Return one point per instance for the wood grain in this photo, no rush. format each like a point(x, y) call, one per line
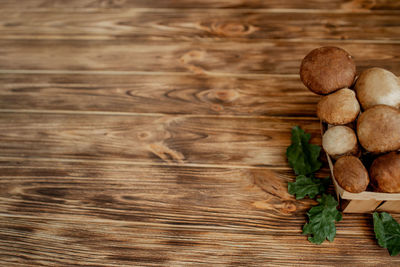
point(274, 57)
point(168, 94)
point(187, 215)
point(392, 206)
point(347, 5)
point(153, 133)
point(147, 194)
point(195, 24)
point(173, 139)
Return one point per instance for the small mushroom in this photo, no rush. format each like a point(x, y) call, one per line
point(378, 86)
point(351, 174)
point(378, 129)
point(340, 107)
point(340, 140)
point(327, 69)
point(385, 173)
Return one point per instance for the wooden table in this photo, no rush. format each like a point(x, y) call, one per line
point(138, 132)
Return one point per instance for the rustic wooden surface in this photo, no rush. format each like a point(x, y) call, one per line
point(137, 132)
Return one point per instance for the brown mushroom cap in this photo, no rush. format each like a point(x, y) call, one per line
point(385, 173)
point(378, 129)
point(340, 107)
point(351, 174)
point(327, 69)
point(378, 86)
point(340, 140)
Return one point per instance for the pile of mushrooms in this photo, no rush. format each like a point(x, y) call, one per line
point(362, 117)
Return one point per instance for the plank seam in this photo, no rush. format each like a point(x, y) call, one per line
point(116, 113)
point(149, 73)
point(136, 163)
point(86, 37)
point(216, 9)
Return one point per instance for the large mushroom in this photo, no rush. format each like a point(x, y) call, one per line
point(378, 86)
point(351, 174)
point(327, 69)
point(385, 173)
point(340, 107)
point(378, 129)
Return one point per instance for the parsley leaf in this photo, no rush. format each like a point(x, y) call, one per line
point(387, 232)
point(322, 219)
point(308, 186)
point(302, 156)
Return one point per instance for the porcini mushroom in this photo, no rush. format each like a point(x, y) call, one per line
point(385, 173)
point(351, 174)
point(377, 86)
point(327, 69)
point(340, 107)
point(378, 129)
point(340, 140)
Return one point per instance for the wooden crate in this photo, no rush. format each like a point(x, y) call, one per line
point(365, 202)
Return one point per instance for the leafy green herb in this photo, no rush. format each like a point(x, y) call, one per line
point(302, 156)
point(387, 232)
point(322, 219)
point(308, 186)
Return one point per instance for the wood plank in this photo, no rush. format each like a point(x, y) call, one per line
point(68, 243)
point(347, 5)
point(195, 24)
point(173, 139)
point(83, 213)
point(146, 193)
point(274, 57)
point(167, 94)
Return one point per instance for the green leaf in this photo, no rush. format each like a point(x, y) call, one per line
point(302, 156)
point(308, 186)
point(322, 219)
point(387, 232)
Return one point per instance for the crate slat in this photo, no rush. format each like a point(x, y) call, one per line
point(392, 206)
point(361, 206)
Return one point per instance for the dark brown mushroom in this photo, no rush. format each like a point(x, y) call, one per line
point(351, 174)
point(385, 173)
point(327, 69)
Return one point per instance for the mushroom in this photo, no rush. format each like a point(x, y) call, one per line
point(377, 86)
point(351, 174)
point(327, 69)
point(378, 129)
point(340, 140)
point(340, 107)
point(385, 173)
